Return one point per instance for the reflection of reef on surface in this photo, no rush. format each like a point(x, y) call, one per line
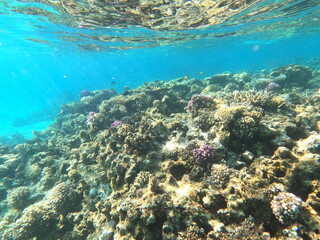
point(184, 159)
point(161, 15)
point(126, 24)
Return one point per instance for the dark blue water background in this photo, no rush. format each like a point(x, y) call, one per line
point(35, 77)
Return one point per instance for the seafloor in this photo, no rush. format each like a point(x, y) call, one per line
point(184, 159)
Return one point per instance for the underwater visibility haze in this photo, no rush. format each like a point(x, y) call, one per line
point(134, 119)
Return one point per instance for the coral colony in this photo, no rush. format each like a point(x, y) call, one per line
point(204, 155)
point(199, 101)
point(286, 207)
point(85, 93)
point(90, 117)
point(116, 124)
point(272, 86)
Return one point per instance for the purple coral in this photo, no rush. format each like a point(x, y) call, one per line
point(90, 117)
point(272, 86)
point(286, 207)
point(200, 101)
point(116, 123)
point(204, 155)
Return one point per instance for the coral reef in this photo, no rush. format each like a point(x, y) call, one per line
point(182, 159)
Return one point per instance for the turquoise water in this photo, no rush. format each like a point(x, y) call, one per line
point(158, 120)
point(48, 57)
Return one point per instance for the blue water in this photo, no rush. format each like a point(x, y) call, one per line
point(37, 77)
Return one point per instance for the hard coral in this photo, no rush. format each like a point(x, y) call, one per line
point(272, 87)
point(39, 219)
point(296, 75)
point(252, 97)
point(245, 128)
point(85, 93)
point(286, 207)
point(199, 102)
point(19, 197)
point(204, 155)
point(35, 222)
point(90, 118)
point(116, 124)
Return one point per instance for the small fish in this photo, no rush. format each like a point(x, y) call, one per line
point(200, 73)
point(186, 77)
point(113, 82)
point(64, 113)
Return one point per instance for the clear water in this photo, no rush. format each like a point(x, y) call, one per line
point(49, 54)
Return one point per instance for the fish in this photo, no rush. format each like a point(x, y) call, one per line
point(113, 82)
point(64, 113)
